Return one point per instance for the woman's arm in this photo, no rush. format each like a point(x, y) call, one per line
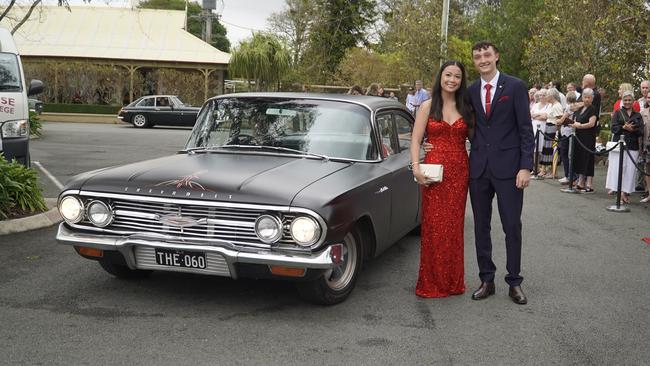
point(419, 128)
point(616, 123)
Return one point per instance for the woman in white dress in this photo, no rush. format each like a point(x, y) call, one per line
point(629, 124)
point(538, 117)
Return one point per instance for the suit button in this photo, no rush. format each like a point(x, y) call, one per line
point(488, 145)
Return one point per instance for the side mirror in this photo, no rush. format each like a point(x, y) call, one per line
point(35, 87)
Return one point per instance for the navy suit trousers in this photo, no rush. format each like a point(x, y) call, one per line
point(510, 202)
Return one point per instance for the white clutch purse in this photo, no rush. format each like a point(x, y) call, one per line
point(432, 172)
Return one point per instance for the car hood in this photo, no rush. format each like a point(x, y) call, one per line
point(246, 178)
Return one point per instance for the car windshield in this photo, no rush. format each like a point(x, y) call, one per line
point(9, 73)
point(320, 127)
point(177, 101)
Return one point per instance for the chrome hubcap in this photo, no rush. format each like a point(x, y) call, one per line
point(139, 120)
point(340, 276)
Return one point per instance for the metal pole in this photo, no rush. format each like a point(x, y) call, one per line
point(617, 207)
point(570, 165)
point(443, 31)
point(536, 176)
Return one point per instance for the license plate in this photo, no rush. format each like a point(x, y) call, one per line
point(180, 258)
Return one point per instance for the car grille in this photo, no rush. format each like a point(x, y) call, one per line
point(234, 225)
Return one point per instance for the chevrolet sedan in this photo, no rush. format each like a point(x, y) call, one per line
point(269, 185)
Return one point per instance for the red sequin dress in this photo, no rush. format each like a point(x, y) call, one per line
point(443, 213)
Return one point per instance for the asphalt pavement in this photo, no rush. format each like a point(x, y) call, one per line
point(585, 270)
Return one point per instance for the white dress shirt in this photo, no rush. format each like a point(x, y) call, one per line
point(493, 90)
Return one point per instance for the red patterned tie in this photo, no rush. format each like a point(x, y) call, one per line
point(487, 98)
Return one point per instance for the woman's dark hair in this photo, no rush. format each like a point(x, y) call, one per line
point(462, 104)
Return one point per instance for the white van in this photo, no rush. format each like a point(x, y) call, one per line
point(14, 112)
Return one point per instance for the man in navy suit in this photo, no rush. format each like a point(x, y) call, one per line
point(500, 163)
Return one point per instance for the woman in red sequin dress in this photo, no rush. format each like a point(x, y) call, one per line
point(445, 121)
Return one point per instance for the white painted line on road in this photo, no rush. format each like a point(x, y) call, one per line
point(49, 175)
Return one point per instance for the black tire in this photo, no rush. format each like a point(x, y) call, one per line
point(122, 271)
point(140, 121)
point(336, 285)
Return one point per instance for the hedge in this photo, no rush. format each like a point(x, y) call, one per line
point(20, 193)
point(81, 108)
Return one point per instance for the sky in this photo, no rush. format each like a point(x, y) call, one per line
point(240, 17)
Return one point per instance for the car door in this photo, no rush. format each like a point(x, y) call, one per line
point(164, 115)
point(396, 157)
point(186, 115)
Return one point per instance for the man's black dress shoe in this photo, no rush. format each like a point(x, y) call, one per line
point(517, 295)
point(486, 289)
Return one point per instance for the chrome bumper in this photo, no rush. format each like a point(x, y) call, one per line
point(127, 246)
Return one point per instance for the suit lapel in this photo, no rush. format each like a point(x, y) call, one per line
point(497, 94)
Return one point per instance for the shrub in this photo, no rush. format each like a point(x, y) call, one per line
point(19, 190)
point(35, 125)
point(80, 108)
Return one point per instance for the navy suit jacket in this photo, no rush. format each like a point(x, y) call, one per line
point(503, 141)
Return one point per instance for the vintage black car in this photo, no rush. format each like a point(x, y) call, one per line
point(269, 185)
point(153, 110)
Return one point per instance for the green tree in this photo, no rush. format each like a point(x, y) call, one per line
point(507, 24)
point(194, 25)
point(337, 26)
point(606, 38)
point(292, 26)
point(262, 59)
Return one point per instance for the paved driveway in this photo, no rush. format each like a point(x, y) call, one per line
point(586, 276)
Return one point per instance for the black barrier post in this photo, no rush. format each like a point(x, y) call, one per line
point(536, 175)
point(570, 166)
point(617, 207)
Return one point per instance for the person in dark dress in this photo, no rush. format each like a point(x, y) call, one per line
point(585, 127)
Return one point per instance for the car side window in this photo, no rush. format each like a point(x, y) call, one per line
point(162, 102)
point(146, 102)
point(388, 140)
point(404, 129)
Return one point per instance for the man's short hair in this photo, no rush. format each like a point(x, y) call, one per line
point(484, 45)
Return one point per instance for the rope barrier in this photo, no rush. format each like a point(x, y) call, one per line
point(604, 152)
point(635, 164)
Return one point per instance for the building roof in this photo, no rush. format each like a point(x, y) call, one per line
point(114, 33)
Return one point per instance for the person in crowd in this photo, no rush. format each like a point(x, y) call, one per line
point(565, 134)
point(572, 87)
point(585, 129)
point(628, 123)
point(589, 81)
point(444, 120)
point(373, 90)
point(645, 151)
point(622, 89)
point(355, 90)
point(531, 98)
point(556, 84)
point(644, 88)
point(503, 120)
point(381, 91)
point(391, 95)
point(410, 100)
point(553, 115)
point(421, 95)
point(538, 117)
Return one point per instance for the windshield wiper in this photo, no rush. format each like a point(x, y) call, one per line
point(259, 147)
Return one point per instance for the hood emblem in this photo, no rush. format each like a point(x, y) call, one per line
point(187, 181)
point(178, 221)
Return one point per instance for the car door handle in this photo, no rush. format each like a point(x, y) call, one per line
point(382, 190)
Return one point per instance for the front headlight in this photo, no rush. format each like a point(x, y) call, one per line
point(18, 128)
point(71, 209)
point(268, 229)
point(99, 213)
point(305, 231)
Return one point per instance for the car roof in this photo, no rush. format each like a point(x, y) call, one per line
point(370, 102)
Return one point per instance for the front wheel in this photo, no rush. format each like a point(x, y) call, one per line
point(336, 284)
point(140, 121)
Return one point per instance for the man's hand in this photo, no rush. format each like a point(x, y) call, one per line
point(426, 146)
point(523, 178)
